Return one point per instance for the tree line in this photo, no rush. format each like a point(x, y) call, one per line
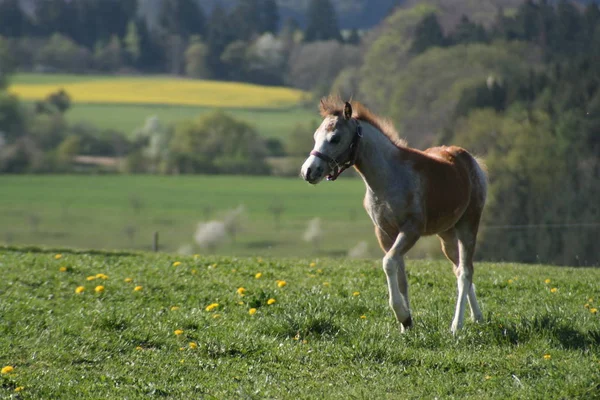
point(247, 42)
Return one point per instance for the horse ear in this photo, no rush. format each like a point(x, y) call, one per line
point(347, 111)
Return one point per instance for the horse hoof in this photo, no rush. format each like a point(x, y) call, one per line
point(407, 324)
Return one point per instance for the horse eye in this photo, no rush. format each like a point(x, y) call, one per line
point(335, 139)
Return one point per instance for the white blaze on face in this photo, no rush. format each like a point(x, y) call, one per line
point(315, 169)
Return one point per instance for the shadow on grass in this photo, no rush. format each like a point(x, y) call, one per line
point(44, 250)
point(548, 326)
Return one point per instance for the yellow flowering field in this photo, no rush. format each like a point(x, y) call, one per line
point(161, 90)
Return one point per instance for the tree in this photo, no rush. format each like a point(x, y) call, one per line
point(182, 18)
point(13, 21)
point(64, 54)
point(246, 17)
point(110, 56)
point(132, 43)
point(219, 36)
point(217, 143)
point(322, 23)
point(196, 65)
point(428, 33)
point(269, 16)
point(6, 62)
point(468, 32)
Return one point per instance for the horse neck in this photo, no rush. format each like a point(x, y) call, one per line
point(376, 159)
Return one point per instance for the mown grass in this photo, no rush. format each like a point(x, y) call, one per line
point(123, 212)
point(163, 90)
point(329, 333)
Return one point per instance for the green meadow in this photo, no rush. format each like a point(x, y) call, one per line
point(105, 325)
point(123, 212)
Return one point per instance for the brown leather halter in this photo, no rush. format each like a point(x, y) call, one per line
point(352, 151)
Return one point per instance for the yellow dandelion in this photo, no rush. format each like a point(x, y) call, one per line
point(590, 300)
point(128, 280)
point(356, 294)
point(139, 348)
point(101, 276)
point(7, 370)
point(63, 269)
point(547, 356)
point(79, 289)
point(586, 305)
point(217, 316)
point(177, 263)
point(193, 345)
point(271, 301)
point(252, 311)
point(241, 303)
point(593, 310)
point(363, 317)
point(241, 291)
point(547, 281)
point(510, 281)
point(99, 289)
point(174, 308)
point(326, 283)
point(19, 388)
point(138, 288)
point(182, 361)
point(212, 306)
point(313, 264)
point(258, 275)
point(194, 271)
point(178, 332)
point(57, 256)
point(181, 348)
point(281, 283)
point(553, 290)
point(319, 271)
point(487, 377)
point(91, 278)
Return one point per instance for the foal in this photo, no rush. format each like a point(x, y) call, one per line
point(410, 193)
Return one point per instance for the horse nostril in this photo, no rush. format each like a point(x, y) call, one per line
point(308, 173)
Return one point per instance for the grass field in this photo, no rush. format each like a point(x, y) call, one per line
point(146, 325)
point(124, 103)
point(122, 212)
point(274, 123)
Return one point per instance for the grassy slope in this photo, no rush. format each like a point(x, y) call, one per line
point(311, 343)
point(126, 118)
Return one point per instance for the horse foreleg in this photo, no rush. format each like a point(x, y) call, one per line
point(395, 273)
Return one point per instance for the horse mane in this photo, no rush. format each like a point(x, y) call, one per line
point(333, 105)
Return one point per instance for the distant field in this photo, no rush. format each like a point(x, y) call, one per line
point(102, 212)
point(124, 103)
point(100, 325)
point(276, 123)
point(155, 90)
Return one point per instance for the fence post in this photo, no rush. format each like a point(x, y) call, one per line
point(155, 242)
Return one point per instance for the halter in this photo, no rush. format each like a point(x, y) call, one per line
point(352, 152)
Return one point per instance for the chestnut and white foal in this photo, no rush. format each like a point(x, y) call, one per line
point(410, 193)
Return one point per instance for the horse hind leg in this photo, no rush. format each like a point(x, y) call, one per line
point(449, 243)
point(453, 248)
